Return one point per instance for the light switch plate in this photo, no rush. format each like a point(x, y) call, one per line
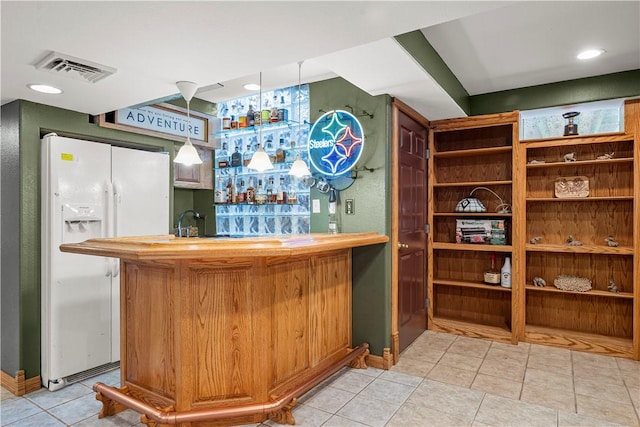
point(315, 206)
point(349, 207)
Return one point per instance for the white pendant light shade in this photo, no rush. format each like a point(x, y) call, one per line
point(260, 161)
point(187, 89)
point(299, 168)
point(187, 155)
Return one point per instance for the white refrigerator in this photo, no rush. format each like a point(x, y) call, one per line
point(91, 190)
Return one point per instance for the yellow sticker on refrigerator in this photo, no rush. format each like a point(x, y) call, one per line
point(66, 156)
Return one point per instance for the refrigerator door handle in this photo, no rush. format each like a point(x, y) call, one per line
point(117, 200)
point(116, 268)
point(108, 270)
point(109, 232)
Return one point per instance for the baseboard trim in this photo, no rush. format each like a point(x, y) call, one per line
point(381, 362)
point(18, 385)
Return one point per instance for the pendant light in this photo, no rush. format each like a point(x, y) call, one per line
point(187, 155)
point(260, 160)
point(299, 168)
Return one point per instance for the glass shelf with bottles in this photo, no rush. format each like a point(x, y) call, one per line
point(249, 203)
point(280, 109)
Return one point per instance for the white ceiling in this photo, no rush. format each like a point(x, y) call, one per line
point(489, 46)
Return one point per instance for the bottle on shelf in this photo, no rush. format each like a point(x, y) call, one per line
point(492, 276)
point(266, 116)
point(281, 192)
point(261, 195)
point(241, 192)
point(246, 156)
point(270, 149)
point(251, 193)
point(231, 195)
point(226, 123)
point(250, 116)
point(219, 195)
point(292, 196)
point(280, 152)
point(236, 157)
point(505, 273)
point(271, 193)
point(333, 216)
point(273, 117)
point(223, 156)
point(283, 114)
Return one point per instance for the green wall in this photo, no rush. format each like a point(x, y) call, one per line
point(371, 265)
point(609, 86)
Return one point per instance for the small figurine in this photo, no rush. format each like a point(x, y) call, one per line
point(606, 156)
point(536, 162)
point(572, 242)
point(611, 242)
point(570, 157)
point(612, 286)
point(539, 281)
point(535, 240)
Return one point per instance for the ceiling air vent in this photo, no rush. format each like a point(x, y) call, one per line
point(76, 68)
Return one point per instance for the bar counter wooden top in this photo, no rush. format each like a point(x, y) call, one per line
point(170, 247)
point(226, 331)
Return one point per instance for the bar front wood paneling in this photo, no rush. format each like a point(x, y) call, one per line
point(229, 331)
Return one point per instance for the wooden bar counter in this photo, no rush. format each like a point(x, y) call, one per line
point(229, 331)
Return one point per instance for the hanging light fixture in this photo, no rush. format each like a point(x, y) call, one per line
point(260, 160)
point(299, 168)
point(187, 155)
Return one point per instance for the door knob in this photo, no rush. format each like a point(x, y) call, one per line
point(403, 246)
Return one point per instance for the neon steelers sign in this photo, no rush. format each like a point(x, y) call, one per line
point(336, 142)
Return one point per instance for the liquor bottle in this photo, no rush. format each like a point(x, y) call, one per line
point(505, 273)
point(261, 195)
point(236, 157)
point(226, 123)
point(246, 156)
point(223, 156)
point(257, 117)
point(266, 115)
point(250, 116)
point(251, 193)
point(292, 196)
point(270, 149)
point(242, 193)
point(231, 192)
point(283, 114)
point(220, 193)
point(281, 192)
point(333, 216)
point(271, 193)
point(280, 153)
point(492, 276)
point(273, 118)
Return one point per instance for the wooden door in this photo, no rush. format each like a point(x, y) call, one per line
point(412, 219)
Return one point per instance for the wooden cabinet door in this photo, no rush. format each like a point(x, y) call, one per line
point(195, 176)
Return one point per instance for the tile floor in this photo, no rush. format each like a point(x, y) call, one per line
point(441, 380)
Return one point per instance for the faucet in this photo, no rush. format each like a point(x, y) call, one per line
point(196, 215)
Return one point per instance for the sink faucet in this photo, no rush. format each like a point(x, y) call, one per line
point(196, 215)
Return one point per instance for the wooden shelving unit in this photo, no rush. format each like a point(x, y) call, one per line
point(597, 320)
point(485, 151)
point(465, 154)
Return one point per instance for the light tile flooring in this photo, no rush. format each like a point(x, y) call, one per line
point(441, 380)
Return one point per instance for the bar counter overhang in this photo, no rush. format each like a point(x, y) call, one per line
point(229, 330)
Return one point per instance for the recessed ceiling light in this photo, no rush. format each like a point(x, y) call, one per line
point(44, 88)
point(252, 86)
point(590, 53)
